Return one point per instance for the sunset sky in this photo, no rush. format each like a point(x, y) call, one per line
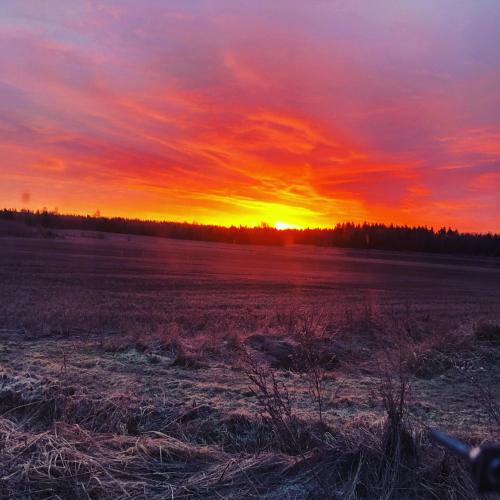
point(302, 113)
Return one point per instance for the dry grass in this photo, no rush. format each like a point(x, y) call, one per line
point(60, 439)
point(364, 461)
point(140, 392)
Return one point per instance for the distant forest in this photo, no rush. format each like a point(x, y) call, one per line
point(345, 235)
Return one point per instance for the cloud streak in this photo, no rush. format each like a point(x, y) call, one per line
point(232, 112)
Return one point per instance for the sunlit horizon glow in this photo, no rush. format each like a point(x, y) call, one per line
point(282, 226)
point(296, 114)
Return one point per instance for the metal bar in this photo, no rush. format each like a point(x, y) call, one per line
point(451, 443)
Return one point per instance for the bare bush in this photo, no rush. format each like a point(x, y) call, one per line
point(287, 321)
point(274, 399)
point(489, 401)
point(315, 358)
point(488, 332)
point(397, 438)
point(397, 442)
point(485, 396)
point(437, 353)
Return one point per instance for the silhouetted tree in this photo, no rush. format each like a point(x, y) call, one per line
point(346, 235)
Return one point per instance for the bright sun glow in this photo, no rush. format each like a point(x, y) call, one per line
point(280, 226)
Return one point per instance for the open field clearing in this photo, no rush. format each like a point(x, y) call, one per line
point(87, 285)
point(135, 367)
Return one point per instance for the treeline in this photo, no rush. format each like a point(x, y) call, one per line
point(346, 235)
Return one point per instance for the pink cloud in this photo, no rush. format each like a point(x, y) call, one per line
point(331, 111)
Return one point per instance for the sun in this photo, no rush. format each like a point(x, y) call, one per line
point(281, 226)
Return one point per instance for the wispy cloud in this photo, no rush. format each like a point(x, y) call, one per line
point(229, 112)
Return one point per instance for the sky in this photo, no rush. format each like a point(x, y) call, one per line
point(293, 113)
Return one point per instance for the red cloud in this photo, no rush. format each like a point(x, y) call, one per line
point(231, 114)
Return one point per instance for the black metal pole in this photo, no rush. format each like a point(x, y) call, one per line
point(451, 443)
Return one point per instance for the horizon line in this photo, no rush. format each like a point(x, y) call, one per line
point(262, 225)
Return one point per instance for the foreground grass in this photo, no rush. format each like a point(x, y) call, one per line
point(148, 368)
point(163, 418)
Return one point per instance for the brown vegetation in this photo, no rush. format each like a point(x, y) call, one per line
point(67, 440)
point(146, 393)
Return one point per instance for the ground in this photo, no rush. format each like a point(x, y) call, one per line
point(126, 364)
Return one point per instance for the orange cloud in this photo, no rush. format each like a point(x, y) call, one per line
point(50, 165)
point(305, 116)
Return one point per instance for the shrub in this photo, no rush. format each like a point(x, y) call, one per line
point(437, 353)
point(273, 397)
point(488, 332)
point(314, 359)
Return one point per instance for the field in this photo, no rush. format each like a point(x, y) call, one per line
point(136, 367)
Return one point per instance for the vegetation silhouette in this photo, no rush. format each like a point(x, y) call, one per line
point(345, 235)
